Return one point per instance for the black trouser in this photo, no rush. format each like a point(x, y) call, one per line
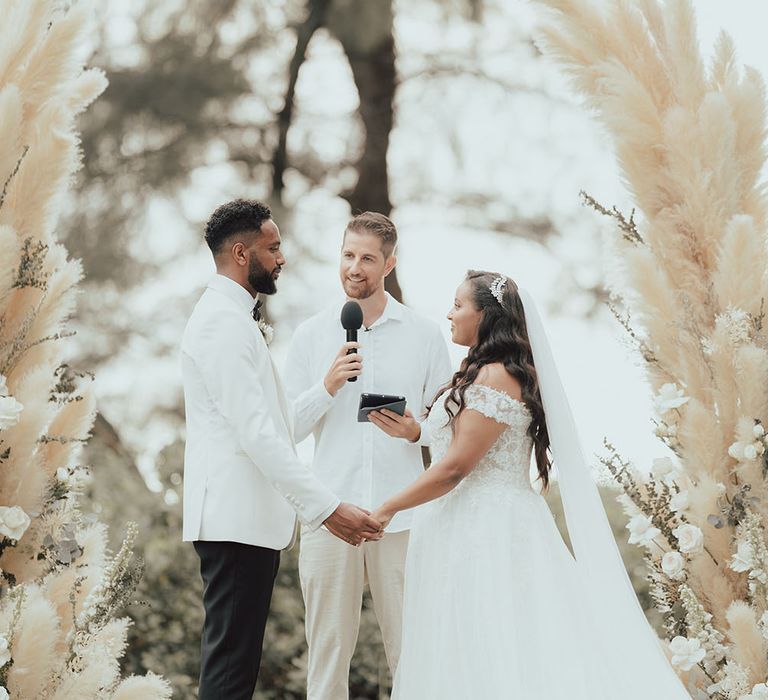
point(238, 580)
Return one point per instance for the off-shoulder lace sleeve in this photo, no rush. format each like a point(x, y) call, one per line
point(495, 404)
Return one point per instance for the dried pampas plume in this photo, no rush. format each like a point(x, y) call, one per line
point(690, 143)
point(59, 587)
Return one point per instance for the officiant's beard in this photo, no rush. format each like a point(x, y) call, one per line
point(359, 291)
point(262, 280)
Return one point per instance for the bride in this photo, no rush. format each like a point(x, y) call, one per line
point(496, 607)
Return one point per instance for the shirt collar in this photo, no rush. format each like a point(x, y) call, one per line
point(233, 290)
point(393, 311)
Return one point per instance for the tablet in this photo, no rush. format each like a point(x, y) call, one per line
point(375, 402)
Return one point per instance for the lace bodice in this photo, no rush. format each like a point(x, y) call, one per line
point(506, 465)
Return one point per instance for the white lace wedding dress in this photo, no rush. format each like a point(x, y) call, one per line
point(492, 608)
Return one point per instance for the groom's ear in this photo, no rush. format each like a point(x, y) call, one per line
point(237, 252)
point(241, 248)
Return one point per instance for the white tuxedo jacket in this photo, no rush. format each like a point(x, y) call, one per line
point(242, 479)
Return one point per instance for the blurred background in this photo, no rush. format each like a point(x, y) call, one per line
point(439, 113)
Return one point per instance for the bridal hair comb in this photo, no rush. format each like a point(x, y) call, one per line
point(497, 288)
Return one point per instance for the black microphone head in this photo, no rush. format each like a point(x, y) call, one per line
point(351, 316)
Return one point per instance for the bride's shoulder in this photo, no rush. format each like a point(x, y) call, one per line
point(496, 377)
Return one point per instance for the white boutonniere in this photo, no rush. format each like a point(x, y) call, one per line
point(266, 330)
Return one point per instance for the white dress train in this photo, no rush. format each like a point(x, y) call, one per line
point(493, 608)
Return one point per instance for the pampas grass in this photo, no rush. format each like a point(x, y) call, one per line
point(693, 277)
point(59, 585)
point(749, 647)
point(148, 687)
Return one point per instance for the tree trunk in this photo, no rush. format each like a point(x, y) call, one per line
point(365, 32)
point(304, 33)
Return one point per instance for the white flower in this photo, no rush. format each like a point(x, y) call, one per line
point(641, 530)
point(665, 469)
point(670, 397)
point(690, 539)
point(750, 453)
point(759, 692)
point(663, 466)
point(742, 560)
point(267, 331)
point(13, 522)
point(4, 693)
point(673, 565)
point(5, 654)
point(720, 488)
point(679, 501)
point(734, 680)
point(62, 474)
point(736, 450)
point(628, 505)
point(3, 386)
point(758, 431)
point(686, 653)
point(9, 411)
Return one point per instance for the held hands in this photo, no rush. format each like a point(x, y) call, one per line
point(382, 515)
point(395, 425)
point(353, 524)
point(344, 366)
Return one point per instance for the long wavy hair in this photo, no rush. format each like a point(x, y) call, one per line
point(502, 336)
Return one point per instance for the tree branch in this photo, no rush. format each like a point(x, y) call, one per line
point(304, 32)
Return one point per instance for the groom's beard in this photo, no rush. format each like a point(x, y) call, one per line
point(262, 280)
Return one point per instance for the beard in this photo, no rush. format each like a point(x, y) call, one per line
point(262, 280)
point(362, 290)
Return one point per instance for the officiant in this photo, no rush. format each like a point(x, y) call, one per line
point(399, 353)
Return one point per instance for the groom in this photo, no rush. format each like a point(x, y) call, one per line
point(243, 483)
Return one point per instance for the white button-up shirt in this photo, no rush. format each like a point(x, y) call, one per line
point(404, 354)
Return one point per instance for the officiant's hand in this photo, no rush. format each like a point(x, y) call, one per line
point(353, 524)
point(395, 425)
point(344, 366)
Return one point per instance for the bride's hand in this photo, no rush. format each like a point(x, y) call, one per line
point(382, 515)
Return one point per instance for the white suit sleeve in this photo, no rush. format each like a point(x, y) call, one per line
point(232, 378)
point(309, 397)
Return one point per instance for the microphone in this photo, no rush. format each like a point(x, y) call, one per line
point(351, 320)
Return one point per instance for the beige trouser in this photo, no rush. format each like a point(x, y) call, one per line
point(332, 575)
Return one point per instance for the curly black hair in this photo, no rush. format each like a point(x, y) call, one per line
point(236, 217)
point(502, 336)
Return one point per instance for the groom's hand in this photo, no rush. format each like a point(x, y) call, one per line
point(353, 524)
point(395, 425)
point(344, 367)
